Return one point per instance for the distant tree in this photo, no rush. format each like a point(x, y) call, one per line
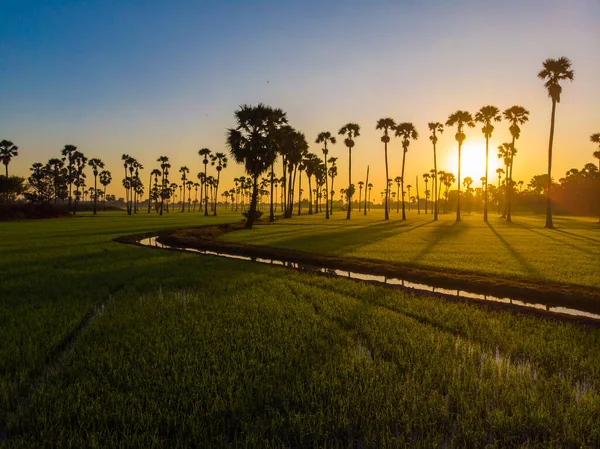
point(407, 131)
point(515, 115)
point(220, 161)
point(398, 181)
point(370, 186)
point(79, 161)
point(105, 179)
point(486, 115)
point(163, 190)
point(460, 119)
point(467, 183)
point(435, 128)
point(351, 131)
point(184, 172)
point(8, 151)
point(332, 174)
point(67, 153)
point(324, 138)
point(361, 184)
point(595, 138)
point(205, 154)
point(253, 144)
point(425, 177)
point(554, 71)
point(96, 165)
point(386, 124)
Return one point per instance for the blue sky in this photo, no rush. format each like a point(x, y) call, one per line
point(150, 78)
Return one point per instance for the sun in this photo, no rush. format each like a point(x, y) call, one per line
point(472, 160)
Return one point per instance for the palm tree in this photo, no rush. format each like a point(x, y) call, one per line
point(448, 181)
point(407, 131)
point(370, 186)
point(105, 179)
point(500, 172)
point(67, 153)
point(386, 124)
point(184, 171)
point(408, 187)
point(486, 115)
point(554, 71)
point(164, 166)
point(351, 131)
point(595, 138)
point(332, 174)
point(505, 152)
point(398, 181)
point(426, 179)
point(467, 183)
point(205, 153)
point(153, 174)
point(361, 184)
point(8, 150)
point(516, 115)
point(323, 138)
point(96, 164)
point(434, 127)
point(220, 160)
point(460, 119)
point(253, 143)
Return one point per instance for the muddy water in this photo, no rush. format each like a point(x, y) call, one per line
point(151, 241)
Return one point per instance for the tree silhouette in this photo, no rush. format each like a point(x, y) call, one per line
point(184, 172)
point(467, 183)
point(398, 181)
point(435, 128)
point(515, 115)
point(220, 160)
point(164, 167)
point(8, 151)
point(407, 132)
point(595, 138)
point(96, 164)
point(386, 124)
point(351, 131)
point(554, 71)
point(253, 143)
point(361, 184)
point(425, 177)
point(486, 115)
point(506, 153)
point(460, 119)
point(332, 174)
point(324, 138)
point(205, 153)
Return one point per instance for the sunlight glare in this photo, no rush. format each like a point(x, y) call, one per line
point(473, 161)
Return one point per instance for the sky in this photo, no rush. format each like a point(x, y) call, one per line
point(151, 78)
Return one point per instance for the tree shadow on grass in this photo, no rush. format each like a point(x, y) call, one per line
point(595, 241)
point(439, 233)
point(347, 239)
point(525, 265)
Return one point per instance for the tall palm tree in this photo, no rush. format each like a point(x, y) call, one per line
point(408, 187)
point(184, 171)
point(460, 119)
point(486, 115)
point(398, 181)
point(425, 177)
point(407, 131)
point(164, 167)
point(595, 138)
point(8, 150)
point(435, 128)
point(516, 115)
point(220, 160)
point(332, 174)
point(500, 172)
point(386, 124)
point(323, 138)
point(505, 152)
point(153, 174)
point(253, 143)
point(370, 186)
point(351, 131)
point(96, 164)
point(67, 152)
point(554, 71)
point(361, 184)
point(205, 153)
point(105, 179)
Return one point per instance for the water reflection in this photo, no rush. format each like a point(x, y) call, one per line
point(152, 241)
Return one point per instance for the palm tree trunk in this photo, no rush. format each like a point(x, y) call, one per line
point(252, 211)
point(426, 196)
point(104, 199)
point(326, 188)
point(549, 223)
point(435, 184)
point(331, 194)
point(217, 191)
point(401, 183)
point(310, 206)
point(300, 193)
point(485, 202)
point(149, 194)
point(387, 193)
point(510, 186)
point(458, 201)
point(418, 199)
point(95, 193)
point(183, 196)
point(349, 182)
point(398, 197)
point(366, 190)
point(271, 210)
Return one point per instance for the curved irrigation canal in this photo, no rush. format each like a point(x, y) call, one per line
point(384, 280)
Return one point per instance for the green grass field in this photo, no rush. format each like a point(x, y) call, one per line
point(522, 249)
point(189, 350)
